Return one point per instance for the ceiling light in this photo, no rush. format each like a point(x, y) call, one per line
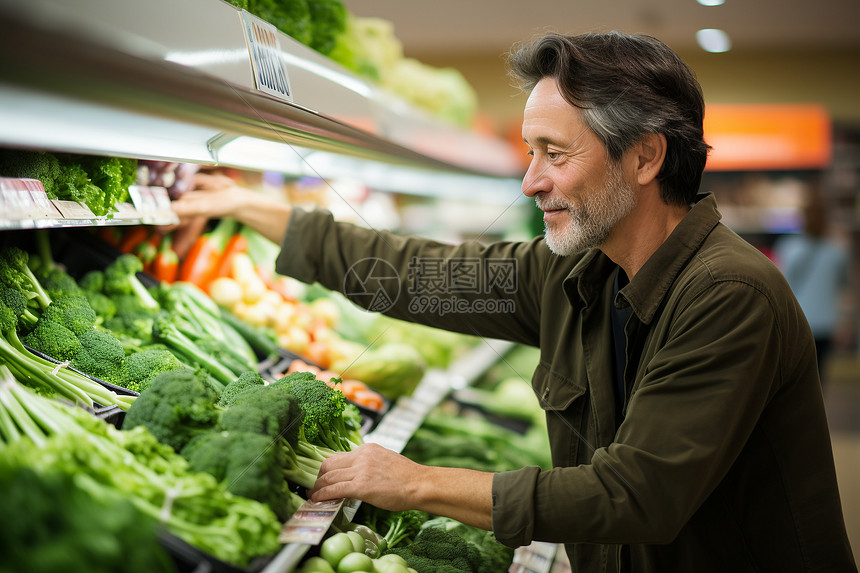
point(711, 2)
point(713, 40)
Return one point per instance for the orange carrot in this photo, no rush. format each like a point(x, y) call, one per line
point(166, 264)
point(368, 399)
point(350, 387)
point(297, 365)
point(237, 244)
point(204, 255)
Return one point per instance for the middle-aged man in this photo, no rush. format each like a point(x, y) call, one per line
point(677, 370)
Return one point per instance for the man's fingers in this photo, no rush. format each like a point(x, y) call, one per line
point(331, 484)
point(335, 461)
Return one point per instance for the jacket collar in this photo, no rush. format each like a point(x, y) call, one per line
point(646, 291)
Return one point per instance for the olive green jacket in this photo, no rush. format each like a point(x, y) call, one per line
point(723, 461)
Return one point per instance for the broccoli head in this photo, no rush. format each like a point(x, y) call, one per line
point(103, 306)
point(139, 369)
point(101, 355)
point(177, 406)
point(53, 339)
point(31, 165)
point(492, 554)
point(57, 282)
point(248, 464)
point(323, 406)
point(15, 273)
point(440, 551)
point(135, 326)
point(266, 410)
point(72, 311)
point(246, 380)
point(17, 302)
point(121, 279)
point(93, 281)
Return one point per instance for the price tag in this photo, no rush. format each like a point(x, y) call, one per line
point(73, 210)
point(126, 211)
point(18, 198)
point(310, 522)
point(143, 200)
point(267, 62)
point(163, 212)
point(43, 208)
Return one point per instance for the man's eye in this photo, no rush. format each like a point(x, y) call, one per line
point(552, 156)
point(530, 152)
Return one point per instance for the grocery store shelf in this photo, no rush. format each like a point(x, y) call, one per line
point(88, 76)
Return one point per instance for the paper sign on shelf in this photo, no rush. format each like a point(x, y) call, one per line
point(264, 47)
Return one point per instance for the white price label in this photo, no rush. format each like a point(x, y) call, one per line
point(270, 71)
point(73, 210)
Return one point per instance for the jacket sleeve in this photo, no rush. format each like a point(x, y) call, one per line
point(698, 399)
point(486, 290)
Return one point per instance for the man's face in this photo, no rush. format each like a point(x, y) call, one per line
point(582, 193)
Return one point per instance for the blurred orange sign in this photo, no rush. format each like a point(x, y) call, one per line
point(769, 136)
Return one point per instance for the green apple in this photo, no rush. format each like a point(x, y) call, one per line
point(354, 562)
point(335, 548)
point(316, 565)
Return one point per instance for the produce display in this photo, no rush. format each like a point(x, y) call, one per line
point(59, 324)
point(408, 542)
point(211, 450)
point(47, 437)
point(451, 438)
point(230, 435)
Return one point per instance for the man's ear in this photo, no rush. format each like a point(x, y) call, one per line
point(651, 155)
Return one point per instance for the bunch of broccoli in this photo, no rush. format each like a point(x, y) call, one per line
point(444, 545)
point(330, 421)
point(152, 321)
point(97, 182)
point(70, 329)
point(252, 437)
point(48, 436)
point(315, 23)
point(61, 329)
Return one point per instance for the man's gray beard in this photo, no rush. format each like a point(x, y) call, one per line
point(591, 222)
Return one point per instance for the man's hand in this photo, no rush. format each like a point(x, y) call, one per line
point(390, 481)
point(217, 196)
point(371, 473)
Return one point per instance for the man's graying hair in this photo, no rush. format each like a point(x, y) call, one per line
point(626, 86)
